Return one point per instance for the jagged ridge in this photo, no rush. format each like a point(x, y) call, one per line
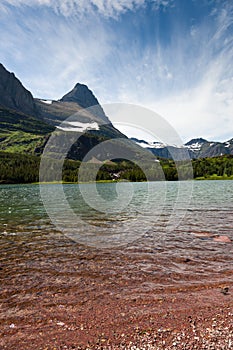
point(195, 148)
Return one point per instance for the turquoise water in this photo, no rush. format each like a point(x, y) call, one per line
point(202, 206)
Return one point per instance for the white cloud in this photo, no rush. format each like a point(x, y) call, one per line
point(206, 109)
point(50, 55)
point(189, 81)
point(107, 8)
point(191, 85)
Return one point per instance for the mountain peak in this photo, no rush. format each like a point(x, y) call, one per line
point(85, 98)
point(82, 95)
point(80, 85)
point(199, 140)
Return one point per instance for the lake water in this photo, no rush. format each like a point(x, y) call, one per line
point(165, 231)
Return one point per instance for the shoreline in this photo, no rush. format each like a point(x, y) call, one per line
point(221, 178)
point(190, 319)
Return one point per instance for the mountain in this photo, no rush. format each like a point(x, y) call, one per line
point(200, 148)
point(85, 98)
point(72, 105)
point(20, 129)
point(13, 94)
point(194, 149)
point(26, 123)
point(162, 150)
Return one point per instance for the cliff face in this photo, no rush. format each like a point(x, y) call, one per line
point(13, 94)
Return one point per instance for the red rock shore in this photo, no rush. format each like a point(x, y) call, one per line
point(97, 300)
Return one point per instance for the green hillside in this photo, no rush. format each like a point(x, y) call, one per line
point(11, 120)
point(20, 133)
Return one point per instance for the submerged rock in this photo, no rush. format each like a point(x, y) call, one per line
point(223, 239)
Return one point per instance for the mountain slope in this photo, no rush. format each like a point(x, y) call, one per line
point(79, 104)
point(11, 120)
point(20, 133)
point(20, 129)
point(14, 95)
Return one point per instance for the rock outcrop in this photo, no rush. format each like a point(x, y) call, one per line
point(13, 94)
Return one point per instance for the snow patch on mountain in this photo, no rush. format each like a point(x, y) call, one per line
point(48, 102)
point(145, 144)
point(78, 126)
point(194, 146)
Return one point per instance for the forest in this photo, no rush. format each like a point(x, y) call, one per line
point(23, 168)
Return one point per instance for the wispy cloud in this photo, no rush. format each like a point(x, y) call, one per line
point(190, 83)
point(78, 7)
point(49, 53)
point(129, 51)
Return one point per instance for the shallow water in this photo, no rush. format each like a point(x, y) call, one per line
point(160, 233)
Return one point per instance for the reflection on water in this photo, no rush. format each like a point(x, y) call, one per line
point(168, 241)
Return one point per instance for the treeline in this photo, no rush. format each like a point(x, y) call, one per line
point(23, 168)
point(18, 168)
point(213, 167)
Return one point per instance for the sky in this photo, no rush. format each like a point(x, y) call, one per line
point(174, 57)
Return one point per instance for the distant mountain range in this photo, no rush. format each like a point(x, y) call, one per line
point(195, 148)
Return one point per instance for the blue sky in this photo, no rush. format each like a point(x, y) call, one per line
point(172, 56)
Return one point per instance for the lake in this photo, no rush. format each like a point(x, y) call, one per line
point(172, 223)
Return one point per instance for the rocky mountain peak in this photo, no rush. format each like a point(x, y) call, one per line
point(199, 140)
point(85, 98)
point(13, 94)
